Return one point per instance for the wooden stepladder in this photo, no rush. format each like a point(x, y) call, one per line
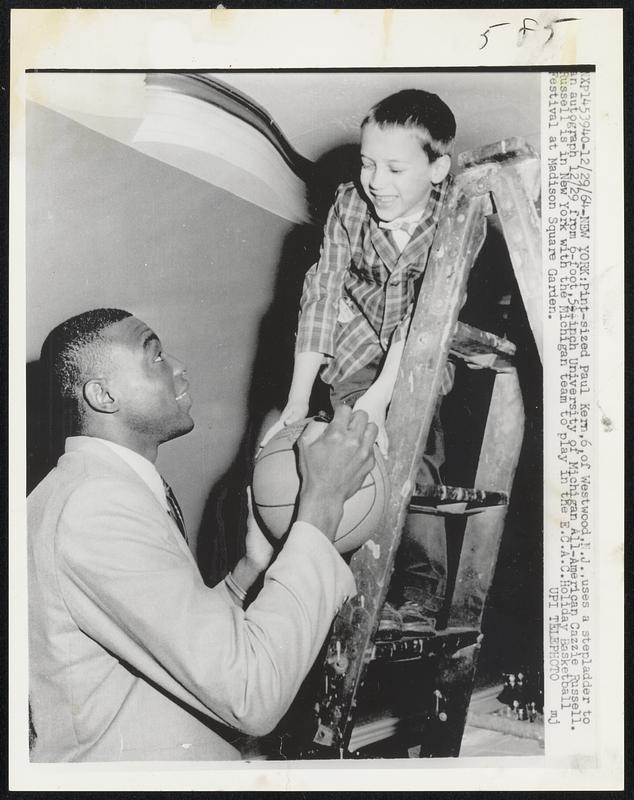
point(382, 698)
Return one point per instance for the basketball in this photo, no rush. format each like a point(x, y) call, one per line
point(276, 484)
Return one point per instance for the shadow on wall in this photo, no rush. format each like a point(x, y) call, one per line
point(221, 533)
point(44, 432)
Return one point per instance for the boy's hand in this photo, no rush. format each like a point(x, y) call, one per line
point(294, 411)
point(376, 409)
point(333, 467)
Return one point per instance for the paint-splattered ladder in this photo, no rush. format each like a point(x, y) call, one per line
point(380, 698)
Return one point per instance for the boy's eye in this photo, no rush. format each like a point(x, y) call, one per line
point(393, 169)
point(158, 357)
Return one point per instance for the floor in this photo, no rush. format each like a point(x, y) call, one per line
point(482, 742)
point(490, 732)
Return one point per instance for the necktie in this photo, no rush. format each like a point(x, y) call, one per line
point(173, 509)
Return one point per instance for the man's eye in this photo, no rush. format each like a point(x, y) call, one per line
point(392, 169)
point(158, 357)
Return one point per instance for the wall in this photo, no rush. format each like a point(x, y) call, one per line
point(109, 226)
point(219, 279)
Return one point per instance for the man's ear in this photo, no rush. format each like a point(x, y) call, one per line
point(98, 397)
point(439, 168)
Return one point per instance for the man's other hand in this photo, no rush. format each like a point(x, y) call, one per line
point(259, 551)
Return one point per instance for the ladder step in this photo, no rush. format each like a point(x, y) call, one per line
point(482, 349)
point(434, 498)
point(412, 686)
point(378, 730)
point(411, 646)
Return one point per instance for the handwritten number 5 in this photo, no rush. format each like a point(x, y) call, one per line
point(554, 22)
point(484, 35)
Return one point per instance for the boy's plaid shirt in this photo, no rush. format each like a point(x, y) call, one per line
point(360, 295)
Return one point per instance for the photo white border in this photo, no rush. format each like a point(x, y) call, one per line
point(310, 38)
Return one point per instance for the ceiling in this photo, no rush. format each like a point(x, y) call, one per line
point(316, 111)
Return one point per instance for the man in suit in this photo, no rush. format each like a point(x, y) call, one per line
point(132, 656)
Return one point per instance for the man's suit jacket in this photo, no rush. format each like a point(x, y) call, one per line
point(131, 656)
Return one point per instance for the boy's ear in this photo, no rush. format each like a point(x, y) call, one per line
point(439, 168)
point(98, 397)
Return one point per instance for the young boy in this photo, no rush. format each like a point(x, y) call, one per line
point(358, 300)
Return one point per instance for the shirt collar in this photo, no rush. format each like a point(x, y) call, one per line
point(408, 219)
point(145, 469)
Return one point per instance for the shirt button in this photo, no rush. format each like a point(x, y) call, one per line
point(394, 282)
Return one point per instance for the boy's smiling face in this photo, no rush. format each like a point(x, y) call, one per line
point(396, 175)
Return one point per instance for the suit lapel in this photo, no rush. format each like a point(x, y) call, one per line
point(87, 444)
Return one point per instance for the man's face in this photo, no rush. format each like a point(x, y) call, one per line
point(147, 383)
point(396, 175)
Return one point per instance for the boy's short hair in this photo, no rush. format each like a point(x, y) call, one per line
point(423, 112)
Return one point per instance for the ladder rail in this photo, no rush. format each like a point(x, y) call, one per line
point(522, 231)
point(499, 456)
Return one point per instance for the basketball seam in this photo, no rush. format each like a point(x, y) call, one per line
point(374, 486)
point(286, 505)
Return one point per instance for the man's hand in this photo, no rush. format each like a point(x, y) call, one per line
point(333, 467)
point(259, 551)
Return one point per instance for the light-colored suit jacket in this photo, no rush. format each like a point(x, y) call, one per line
point(131, 656)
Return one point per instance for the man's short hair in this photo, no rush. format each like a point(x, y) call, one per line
point(421, 111)
point(71, 350)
